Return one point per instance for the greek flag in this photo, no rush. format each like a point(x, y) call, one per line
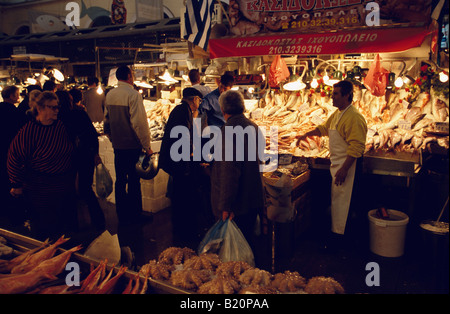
point(197, 21)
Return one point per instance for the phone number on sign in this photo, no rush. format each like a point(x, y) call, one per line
point(321, 22)
point(297, 49)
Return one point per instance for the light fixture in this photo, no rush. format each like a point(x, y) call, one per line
point(391, 80)
point(443, 77)
point(357, 72)
point(296, 82)
point(99, 89)
point(58, 75)
point(167, 77)
point(350, 75)
point(408, 80)
point(399, 82)
point(335, 78)
point(31, 81)
point(314, 84)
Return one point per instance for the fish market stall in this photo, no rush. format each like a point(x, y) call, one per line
point(400, 79)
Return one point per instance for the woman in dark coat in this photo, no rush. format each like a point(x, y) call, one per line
point(85, 139)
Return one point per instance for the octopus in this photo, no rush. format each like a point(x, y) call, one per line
point(258, 290)
point(189, 278)
point(175, 255)
point(206, 261)
point(256, 276)
point(232, 268)
point(323, 285)
point(220, 285)
point(156, 270)
point(288, 282)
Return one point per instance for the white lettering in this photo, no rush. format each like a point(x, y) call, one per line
point(373, 17)
point(73, 18)
point(373, 278)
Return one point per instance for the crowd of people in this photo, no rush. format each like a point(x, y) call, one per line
point(48, 155)
point(49, 150)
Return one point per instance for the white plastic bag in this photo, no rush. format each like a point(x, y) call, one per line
point(213, 240)
point(103, 181)
point(235, 247)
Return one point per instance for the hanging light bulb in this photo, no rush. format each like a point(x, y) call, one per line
point(314, 83)
point(99, 89)
point(398, 82)
point(443, 77)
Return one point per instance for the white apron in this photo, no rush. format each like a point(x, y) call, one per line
point(342, 194)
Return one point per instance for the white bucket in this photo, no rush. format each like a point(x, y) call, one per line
point(387, 237)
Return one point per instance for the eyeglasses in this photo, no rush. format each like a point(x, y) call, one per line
point(54, 108)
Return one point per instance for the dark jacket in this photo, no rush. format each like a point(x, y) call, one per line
point(236, 186)
point(181, 116)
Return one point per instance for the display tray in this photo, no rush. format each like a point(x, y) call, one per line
point(21, 243)
point(270, 179)
point(395, 164)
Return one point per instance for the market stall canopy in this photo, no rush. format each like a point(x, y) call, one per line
point(366, 40)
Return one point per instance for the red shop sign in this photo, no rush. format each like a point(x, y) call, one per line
point(368, 40)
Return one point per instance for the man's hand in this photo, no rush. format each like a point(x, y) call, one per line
point(340, 176)
point(226, 215)
point(16, 192)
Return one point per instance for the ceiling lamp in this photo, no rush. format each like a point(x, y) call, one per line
point(58, 75)
point(335, 78)
point(314, 83)
point(408, 80)
point(168, 78)
point(296, 82)
point(399, 82)
point(443, 77)
point(31, 81)
point(357, 72)
point(143, 84)
point(391, 80)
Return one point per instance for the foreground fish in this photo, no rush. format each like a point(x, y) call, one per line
point(54, 266)
point(35, 259)
point(7, 265)
point(21, 283)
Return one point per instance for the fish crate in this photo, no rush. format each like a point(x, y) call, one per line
point(21, 244)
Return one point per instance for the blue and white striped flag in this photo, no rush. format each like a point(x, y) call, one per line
point(197, 21)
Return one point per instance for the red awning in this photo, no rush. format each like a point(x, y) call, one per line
point(368, 40)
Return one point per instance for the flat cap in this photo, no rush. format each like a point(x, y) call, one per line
point(191, 92)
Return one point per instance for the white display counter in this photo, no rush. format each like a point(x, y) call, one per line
point(153, 191)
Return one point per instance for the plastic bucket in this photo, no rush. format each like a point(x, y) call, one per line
point(387, 236)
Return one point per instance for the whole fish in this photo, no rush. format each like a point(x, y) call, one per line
point(7, 265)
point(35, 259)
point(21, 283)
point(56, 265)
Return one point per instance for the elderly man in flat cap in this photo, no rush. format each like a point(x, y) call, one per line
point(176, 158)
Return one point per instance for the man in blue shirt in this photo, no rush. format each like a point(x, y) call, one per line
point(210, 108)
